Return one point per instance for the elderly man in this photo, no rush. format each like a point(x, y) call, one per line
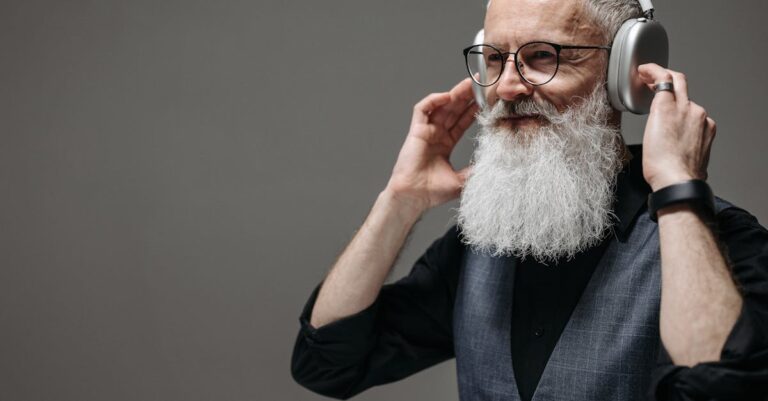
point(557, 283)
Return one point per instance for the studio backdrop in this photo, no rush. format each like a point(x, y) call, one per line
point(177, 176)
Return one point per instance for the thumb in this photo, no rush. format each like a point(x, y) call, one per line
point(464, 174)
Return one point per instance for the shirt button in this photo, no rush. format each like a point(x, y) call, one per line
point(538, 331)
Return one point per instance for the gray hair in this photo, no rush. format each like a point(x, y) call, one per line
point(610, 14)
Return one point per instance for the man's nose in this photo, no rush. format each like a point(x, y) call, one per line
point(511, 85)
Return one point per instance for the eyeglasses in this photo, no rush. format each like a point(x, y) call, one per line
point(536, 62)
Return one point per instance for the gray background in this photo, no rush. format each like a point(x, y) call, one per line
point(176, 176)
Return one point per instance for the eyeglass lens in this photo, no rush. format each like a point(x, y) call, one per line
point(537, 63)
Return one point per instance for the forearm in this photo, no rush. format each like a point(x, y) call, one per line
point(356, 278)
point(699, 300)
point(422, 177)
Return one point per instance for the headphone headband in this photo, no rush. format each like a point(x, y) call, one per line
point(638, 41)
point(645, 4)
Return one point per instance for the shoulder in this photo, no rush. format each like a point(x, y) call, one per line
point(447, 247)
point(442, 260)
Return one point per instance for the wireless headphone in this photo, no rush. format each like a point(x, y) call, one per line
point(638, 41)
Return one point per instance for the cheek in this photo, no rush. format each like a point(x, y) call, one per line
point(558, 95)
point(560, 91)
point(490, 94)
point(563, 92)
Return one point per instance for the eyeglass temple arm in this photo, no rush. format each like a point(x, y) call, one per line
point(585, 47)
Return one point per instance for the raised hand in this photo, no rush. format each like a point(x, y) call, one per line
point(678, 135)
point(423, 174)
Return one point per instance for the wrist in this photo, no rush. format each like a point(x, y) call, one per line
point(407, 207)
point(680, 209)
point(668, 180)
point(696, 194)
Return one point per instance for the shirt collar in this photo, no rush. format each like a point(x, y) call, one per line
point(631, 192)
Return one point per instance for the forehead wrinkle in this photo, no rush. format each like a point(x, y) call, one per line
point(560, 21)
point(582, 28)
point(535, 39)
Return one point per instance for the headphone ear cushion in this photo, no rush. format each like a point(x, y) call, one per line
point(638, 41)
point(478, 90)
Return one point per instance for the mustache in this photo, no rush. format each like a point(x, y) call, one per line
point(502, 109)
point(527, 108)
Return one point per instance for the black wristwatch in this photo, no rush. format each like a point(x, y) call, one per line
point(696, 192)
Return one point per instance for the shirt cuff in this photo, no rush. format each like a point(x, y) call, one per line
point(747, 337)
point(740, 374)
point(346, 338)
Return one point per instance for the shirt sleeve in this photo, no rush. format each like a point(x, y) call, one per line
point(408, 328)
point(742, 371)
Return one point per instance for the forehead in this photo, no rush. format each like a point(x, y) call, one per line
point(515, 22)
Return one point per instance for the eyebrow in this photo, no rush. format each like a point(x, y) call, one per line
point(499, 46)
point(562, 45)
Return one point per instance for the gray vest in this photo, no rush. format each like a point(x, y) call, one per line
point(608, 347)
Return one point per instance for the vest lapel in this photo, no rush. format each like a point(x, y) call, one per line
point(611, 341)
point(607, 349)
point(482, 319)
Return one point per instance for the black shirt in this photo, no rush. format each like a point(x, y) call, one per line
point(409, 326)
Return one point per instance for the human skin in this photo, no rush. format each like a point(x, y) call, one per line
point(510, 24)
point(423, 177)
point(699, 300)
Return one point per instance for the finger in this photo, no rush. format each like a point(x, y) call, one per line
point(709, 136)
point(681, 86)
point(698, 113)
point(464, 174)
point(678, 79)
point(462, 92)
point(441, 115)
point(429, 104)
point(461, 98)
point(710, 131)
point(651, 74)
point(467, 118)
point(454, 117)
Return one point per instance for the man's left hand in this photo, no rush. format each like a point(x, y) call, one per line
point(678, 135)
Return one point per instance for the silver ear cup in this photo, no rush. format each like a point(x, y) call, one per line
point(638, 41)
point(477, 89)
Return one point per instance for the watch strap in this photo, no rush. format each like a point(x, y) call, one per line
point(693, 191)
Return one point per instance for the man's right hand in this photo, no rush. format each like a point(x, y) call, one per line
point(423, 175)
point(422, 178)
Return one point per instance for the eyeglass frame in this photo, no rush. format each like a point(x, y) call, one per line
point(505, 56)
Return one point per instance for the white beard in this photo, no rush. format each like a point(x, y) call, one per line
point(545, 192)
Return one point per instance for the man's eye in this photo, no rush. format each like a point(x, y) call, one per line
point(542, 55)
point(494, 58)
